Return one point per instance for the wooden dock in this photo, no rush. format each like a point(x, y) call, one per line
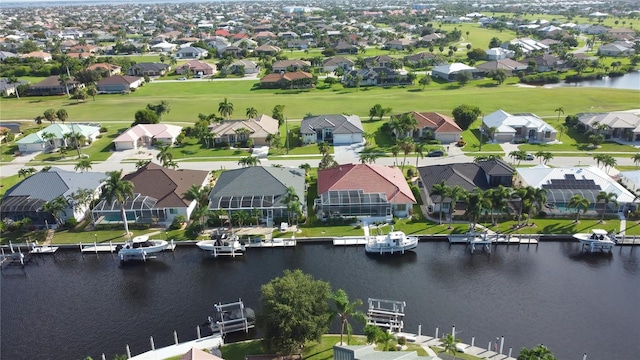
point(500, 239)
point(178, 349)
point(275, 243)
point(112, 248)
point(349, 241)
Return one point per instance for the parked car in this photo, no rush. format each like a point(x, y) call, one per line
point(436, 153)
point(529, 157)
point(182, 78)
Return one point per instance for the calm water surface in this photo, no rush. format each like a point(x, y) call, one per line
point(69, 307)
point(630, 81)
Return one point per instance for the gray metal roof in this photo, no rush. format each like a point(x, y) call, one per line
point(256, 186)
point(341, 124)
point(55, 182)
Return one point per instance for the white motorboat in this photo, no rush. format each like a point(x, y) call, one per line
point(598, 239)
point(140, 248)
point(395, 242)
point(222, 245)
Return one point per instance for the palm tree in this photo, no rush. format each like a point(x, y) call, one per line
point(579, 203)
point(539, 196)
point(225, 108)
point(50, 137)
point(345, 309)
point(26, 172)
point(323, 147)
point(83, 165)
point(395, 149)
point(539, 352)
point(443, 190)
point(251, 113)
point(64, 80)
point(62, 115)
point(636, 160)
point(292, 201)
point(55, 207)
point(527, 198)
point(456, 193)
point(606, 198)
point(199, 194)
point(449, 344)
point(368, 158)
point(118, 190)
point(476, 202)
point(249, 161)
point(562, 128)
point(385, 338)
point(50, 115)
point(164, 156)
point(559, 110)
point(419, 150)
point(498, 199)
point(406, 145)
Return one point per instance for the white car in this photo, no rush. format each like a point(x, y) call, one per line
point(182, 78)
point(529, 157)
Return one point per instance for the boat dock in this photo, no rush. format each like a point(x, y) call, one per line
point(387, 314)
point(498, 239)
point(274, 243)
point(178, 349)
point(349, 241)
point(112, 247)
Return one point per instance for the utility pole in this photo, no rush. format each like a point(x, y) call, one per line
point(286, 131)
point(481, 131)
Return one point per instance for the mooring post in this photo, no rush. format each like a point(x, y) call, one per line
point(489, 346)
point(419, 329)
point(104, 357)
point(453, 331)
point(198, 331)
point(510, 349)
point(473, 340)
point(584, 357)
point(128, 352)
point(175, 337)
point(153, 345)
point(436, 332)
point(95, 247)
point(110, 247)
point(501, 343)
point(12, 251)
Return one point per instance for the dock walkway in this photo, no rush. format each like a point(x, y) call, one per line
point(208, 342)
point(427, 341)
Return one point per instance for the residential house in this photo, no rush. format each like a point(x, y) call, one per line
point(41, 140)
point(196, 67)
point(547, 62)
point(258, 129)
point(622, 34)
point(619, 125)
point(267, 50)
point(117, 84)
point(631, 181)
point(511, 67)
point(432, 125)
point(368, 352)
point(26, 199)
point(53, 85)
point(499, 53)
point(300, 44)
point(618, 48)
point(4, 55)
point(432, 38)
point(419, 59)
point(291, 65)
point(344, 47)
point(149, 69)
point(379, 61)
point(246, 43)
point(375, 192)
point(9, 88)
point(332, 63)
point(264, 35)
point(191, 52)
point(248, 66)
point(106, 69)
point(158, 196)
point(45, 56)
point(258, 187)
point(219, 43)
point(469, 176)
point(527, 45)
point(449, 71)
point(287, 80)
point(399, 44)
point(595, 29)
point(164, 47)
point(335, 128)
point(504, 127)
point(563, 183)
point(146, 134)
point(377, 76)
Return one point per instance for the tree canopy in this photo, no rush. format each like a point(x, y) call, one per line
point(145, 116)
point(295, 309)
point(465, 115)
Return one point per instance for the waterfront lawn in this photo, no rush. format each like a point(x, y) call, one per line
point(459, 355)
point(554, 226)
point(238, 351)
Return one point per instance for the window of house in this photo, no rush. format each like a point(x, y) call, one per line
point(547, 134)
point(173, 211)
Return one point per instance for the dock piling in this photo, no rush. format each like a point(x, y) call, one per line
point(584, 357)
point(153, 345)
point(473, 340)
point(110, 247)
point(501, 344)
point(419, 329)
point(104, 357)
point(489, 346)
point(198, 331)
point(510, 350)
point(175, 337)
point(128, 352)
point(453, 331)
point(436, 332)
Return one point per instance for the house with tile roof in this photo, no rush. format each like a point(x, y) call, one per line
point(191, 52)
point(618, 48)
point(258, 187)
point(149, 69)
point(433, 125)
point(504, 127)
point(508, 65)
point(290, 65)
point(40, 140)
point(25, 199)
point(196, 67)
point(53, 86)
point(146, 134)
point(287, 80)
point(106, 68)
point(119, 84)
point(332, 63)
point(619, 125)
point(158, 196)
point(45, 56)
point(258, 129)
point(332, 128)
point(469, 176)
point(369, 191)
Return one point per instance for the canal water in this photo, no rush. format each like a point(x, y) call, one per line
point(69, 306)
point(630, 81)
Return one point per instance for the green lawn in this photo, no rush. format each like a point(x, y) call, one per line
point(7, 182)
point(472, 137)
point(7, 151)
point(192, 148)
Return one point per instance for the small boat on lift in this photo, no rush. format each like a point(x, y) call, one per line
point(598, 239)
point(231, 317)
point(222, 245)
point(395, 242)
point(141, 248)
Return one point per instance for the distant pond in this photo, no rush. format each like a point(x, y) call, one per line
point(630, 81)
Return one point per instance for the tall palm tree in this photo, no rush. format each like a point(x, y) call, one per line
point(539, 196)
point(164, 156)
point(636, 160)
point(49, 137)
point(419, 150)
point(395, 149)
point(13, 81)
point(498, 199)
point(55, 207)
point(406, 145)
point(578, 202)
point(199, 194)
point(251, 113)
point(249, 161)
point(292, 201)
point(344, 310)
point(539, 352)
point(476, 202)
point(385, 338)
point(449, 344)
point(559, 110)
point(83, 165)
point(118, 190)
point(225, 108)
point(456, 193)
point(323, 147)
point(443, 190)
point(606, 198)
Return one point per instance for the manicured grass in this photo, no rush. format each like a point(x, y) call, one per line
point(237, 351)
point(479, 37)
point(323, 350)
point(7, 182)
point(554, 226)
point(192, 148)
point(7, 151)
point(472, 137)
point(458, 355)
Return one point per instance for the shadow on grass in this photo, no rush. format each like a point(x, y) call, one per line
point(415, 90)
point(488, 85)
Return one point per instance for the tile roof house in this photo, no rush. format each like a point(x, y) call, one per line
point(191, 52)
point(249, 66)
point(25, 199)
point(258, 129)
point(363, 191)
point(266, 49)
point(287, 80)
point(146, 135)
point(52, 86)
point(158, 196)
point(119, 84)
point(258, 187)
point(108, 69)
point(616, 49)
point(335, 128)
point(331, 64)
point(562, 183)
point(620, 125)
point(45, 56)
point(547, 62)
point(436, 126)
point(38, 141)
point(290, 65)
point(477, 175)
point(149, 69)
point(425, 57)
point(508, 65)
point(506, 127)
point(196, 67)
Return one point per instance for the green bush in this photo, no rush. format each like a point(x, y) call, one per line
point(71, 223)
point(177, 222)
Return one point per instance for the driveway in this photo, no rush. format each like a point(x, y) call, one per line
point(348, 152)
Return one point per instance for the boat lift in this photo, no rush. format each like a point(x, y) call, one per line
point(232, 317)
point(388, 314)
